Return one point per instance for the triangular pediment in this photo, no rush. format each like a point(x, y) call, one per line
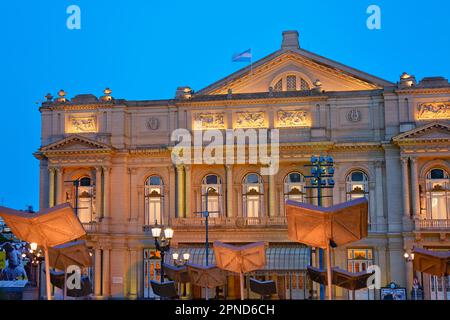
point(75, 143)
point(429, 132)
point(264, 73)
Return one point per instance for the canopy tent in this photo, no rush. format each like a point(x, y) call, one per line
point(280, 259)
point(341, 278)
point(436, 263)
point(48, 228)
point(206, 276)
point(240, 259)
point(69, 254)
point(58, 279)
point(176, 273)
point(326, 227)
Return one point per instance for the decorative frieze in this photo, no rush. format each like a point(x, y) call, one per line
point(209, 120)
point(81, 124)
point(292, 119)
point(250, 119)
point(434, 111)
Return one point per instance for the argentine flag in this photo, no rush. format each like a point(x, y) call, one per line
point(245, 56)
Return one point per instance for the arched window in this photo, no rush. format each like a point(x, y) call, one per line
point(290, 82)
point(357, 185)
point(253, 197)
point(212, 186)
point(85, 200)
point(154, 191)
point(294, 187)
point(438, 194)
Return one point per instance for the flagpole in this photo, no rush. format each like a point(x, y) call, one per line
point(251, 61)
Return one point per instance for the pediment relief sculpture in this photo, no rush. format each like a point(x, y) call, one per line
point(434, 111)
point(82, 124)
point(209, 120)
point(295, 118)
point(250, 119)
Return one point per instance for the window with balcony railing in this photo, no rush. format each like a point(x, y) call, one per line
point(253, 197)
point(294, 187)
point(357, 186)
point(85, 201)
point(154, 190)
point(438, 195)
point(212, 190)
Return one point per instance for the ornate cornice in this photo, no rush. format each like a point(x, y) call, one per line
point(250, 101)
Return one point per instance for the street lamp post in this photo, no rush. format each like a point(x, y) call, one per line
point(162, 243)
point(205, 214)
point(322, 173)
point(180, 260)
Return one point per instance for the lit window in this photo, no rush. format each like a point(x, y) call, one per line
point(154, 201)
point(278, 86)
point(212, 185)
point(253, 193)
point(294, 187)
point(438, 194)
point(357, 185)
point(291, 83)
point(85, 200)
point(304, 85)
point(359, 259)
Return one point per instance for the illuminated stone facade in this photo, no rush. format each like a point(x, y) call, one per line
point(386, 138)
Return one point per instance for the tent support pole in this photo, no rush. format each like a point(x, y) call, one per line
point(329, 272)
point(47, 274)
point(65, 285)
point(241, 278)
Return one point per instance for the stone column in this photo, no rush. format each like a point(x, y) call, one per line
point(405, 186)
point(373, 206)
point(180, 191)
point(170, 208)
point(106, 192)
point(229, 171)
point(188, 189)
point(271, 196)
point(59, 186)
point(415, 188)
point(379, 194)
point(51, 187)
point(106, 273)
point(98, 273)
point(98, 192)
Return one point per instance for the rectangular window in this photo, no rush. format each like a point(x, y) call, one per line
point(358, 260)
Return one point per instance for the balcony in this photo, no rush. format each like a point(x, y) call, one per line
point(432, 225)
point(233, 222)
point(90, 227)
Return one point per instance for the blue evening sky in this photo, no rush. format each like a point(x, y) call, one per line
point(144, 49)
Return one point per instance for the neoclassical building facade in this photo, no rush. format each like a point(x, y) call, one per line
point(111, 158)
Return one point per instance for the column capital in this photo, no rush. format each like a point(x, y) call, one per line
point(132, 171)
point(179, 167)
point(379, 164)
point(413, 160)
point(404, 159)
